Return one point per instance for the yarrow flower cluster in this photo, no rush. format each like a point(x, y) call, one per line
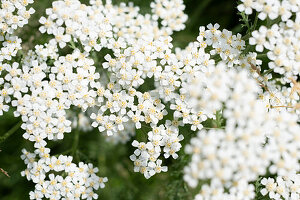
point(76, 182)
point(283, 187)
point(228, 46)
point(171, 13)
point(164, 138)
point(109, 67)
point(13, 14)
point(72, 80)
point(250, 143)
point(270, 8)
point(282, 45)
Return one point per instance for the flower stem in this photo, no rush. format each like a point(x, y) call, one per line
point(76, 141)
point(4, 172)
point(10, 132)
point(264, 55)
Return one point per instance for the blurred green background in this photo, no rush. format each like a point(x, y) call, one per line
point(113, 160)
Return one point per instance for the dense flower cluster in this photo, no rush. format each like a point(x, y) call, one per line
point(229, 47)
point(197, 59)
point(283, 187)
point(72, 79)
point(270, 8)
point(119, 71)
point(41, 95)
point(78, 183)
point(13, 14)
point(165, 137)
point(171, 13)
point(133, 46)
point(252, 141)
point(282, 45)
